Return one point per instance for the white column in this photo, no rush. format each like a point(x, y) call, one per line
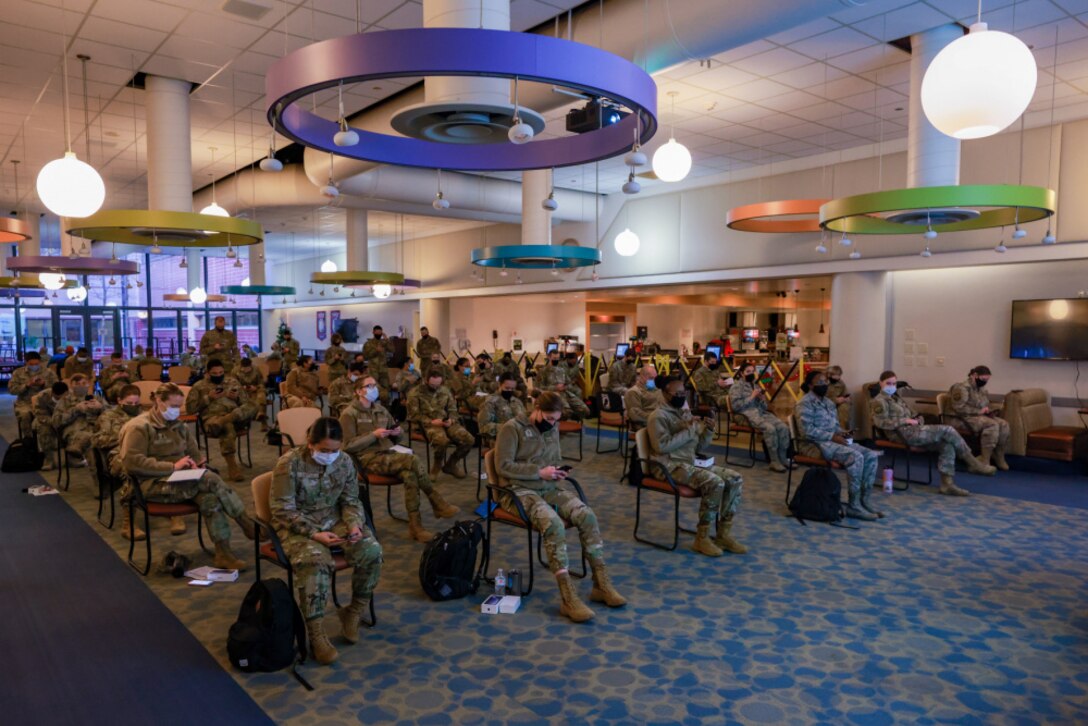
point(257, 274)
point(859, 326)
point(358, 253)
point(536, 222)
point(434, 314)
point(494, 15)
point(933, 159)
point(169, 150)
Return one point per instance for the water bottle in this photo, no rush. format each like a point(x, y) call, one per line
point(500, 583)
point(889, 478)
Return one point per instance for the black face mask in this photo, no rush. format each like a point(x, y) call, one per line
point(629, 361)
point(554, 362)
point(507, 394)
point(377, 336)
point(750, 378)
point(216, 379)
point(131, 409)
point(820, 389)
point(425, 335)
point(980, 383)
point(544, 426)
point(714, 366)
point(678, 400)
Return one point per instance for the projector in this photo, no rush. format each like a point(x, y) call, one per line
point(594, 115)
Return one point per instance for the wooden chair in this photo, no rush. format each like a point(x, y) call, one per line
point(136, 501)
point(147, 389)
point(572, 427)
point(179, 374)
point(419, 433)
point(373, 479)
point(736, 423)
point(656, 478)
point(293, 423)
point(151, 372)
point(271, 550)
point(796, 457)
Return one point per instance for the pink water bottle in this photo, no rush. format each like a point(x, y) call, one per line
point(889, 478)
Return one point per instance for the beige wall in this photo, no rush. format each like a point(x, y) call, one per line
point(530, 321)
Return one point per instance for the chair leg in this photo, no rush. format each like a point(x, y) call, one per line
point(335, 597)
point(389, 505)
point(199, 533)
point(638, 520)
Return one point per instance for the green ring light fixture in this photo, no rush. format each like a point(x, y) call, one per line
point(277, 290)
point(357, 278)
point(167, 229)
point(536, 257)
point(1000, 205)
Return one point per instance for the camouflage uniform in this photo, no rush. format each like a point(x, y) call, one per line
point(705, 382)
point(890, 414)
point(968, 400)
point(504, 365)
point(426, 347)
point(193, 360)
point(308, 498)
point(376, 351)
point(551, 377)
point(838, 390)
point(302, 386)
point(447, 372)
point(674, 437)
point(149, 447)
point(425, 405)
point(221, 417)
point(77, 420)
point(107, 435)
point(621, 376)
point(221, 345)
point(112, 379)
point(817, 419)
point(19, 386)
point(341, 394)
point(521, 451)
point(404, 381)
point(776, 435)
point(376, 455)
point(72, 366)
point(44, 406)
point(336, 358)
point(289, 351)
point(254, 385)
point(496, 411)
point(639, 402)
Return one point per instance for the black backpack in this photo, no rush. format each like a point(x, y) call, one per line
point(817, 497)
point(447, 569)
point(22, 456)
point(269, 634)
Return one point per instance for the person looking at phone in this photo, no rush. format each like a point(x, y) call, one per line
point(157, 443)
point(527, 462)
point(748, 399)
point(972, 405)
point(371, 432)
point(224, 408)
point(302, 385)
point(840, 396)
point(76, 417)
point(316, 507)
point(433, 410)
point(26, 382)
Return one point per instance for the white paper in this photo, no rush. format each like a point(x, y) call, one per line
point(482, 394)
point(401, 449)
point(186, 475)
point(41, 490)
point(704, 463)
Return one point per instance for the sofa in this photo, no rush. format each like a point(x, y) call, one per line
point(1032, 431)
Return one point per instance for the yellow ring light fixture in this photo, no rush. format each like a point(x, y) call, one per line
point(168, 229)
point(783, 216)
point(178, 297)
point(357, 278)
point(904, 211)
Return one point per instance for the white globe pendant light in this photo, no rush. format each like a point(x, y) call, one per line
point(382, 290)
point(328, 266)
point(69, 187)
point(52, 280)
point(77, 294)
point(626, 243)
point(198, 296)
point(672, 161)
point(215, 210)
point(979, 84)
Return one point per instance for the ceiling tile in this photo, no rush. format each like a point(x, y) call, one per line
point(719, 78)
point(812, 75)
point(220, 28)
point(757, 90)
point(778, 60)
point(146, 13)
point(807, 30)
point(900, 23)
point(834, 43)
point(122, 34)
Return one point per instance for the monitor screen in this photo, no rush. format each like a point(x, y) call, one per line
point(751, 335)
point(621, 349)
point(716, 350)
point(550, 347)
point(1049, 329)
point(793, 334)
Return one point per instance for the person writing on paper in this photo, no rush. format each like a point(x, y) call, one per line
point(371, 434)
point(157, 444)
point(315, 508)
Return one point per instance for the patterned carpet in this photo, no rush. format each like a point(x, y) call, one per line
point(952, 610)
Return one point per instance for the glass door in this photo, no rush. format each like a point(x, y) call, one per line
point(103, 338)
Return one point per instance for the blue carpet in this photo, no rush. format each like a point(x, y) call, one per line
point(84, 640)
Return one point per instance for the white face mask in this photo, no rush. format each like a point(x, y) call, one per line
point(324, 458)
point(172, 413)
point(372, 394)
point(890, 390)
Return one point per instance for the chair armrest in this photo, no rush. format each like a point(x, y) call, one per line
point(495, 488)
point(577, 488)
point(273, 538)
point(665, 476)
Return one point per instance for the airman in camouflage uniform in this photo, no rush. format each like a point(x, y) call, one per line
point(224, 409)
point(336, 358)
point(76, 417)
point(288, 350)
point(114, 377)
point(377, 351)
point(253, 383)
point(500, 407)
point(26, 382)
point(433, 410)
point(818, 427)
point(526, 458)
point(643, 398)
point(622, 373)
point(342, 390)
point(712, 382)
point(370, 434)
point(971, 403)
point(556, 378)
point(897, 419)
point(315, 506)
point(192, 359)
point(221, 344)
point(405, 379)
point(302, 385)
point(427, 346)
point(748, 399)
point(157, 443)
point(436, 361)
point(107, 434)
point(44, 406)
point(79, 363)
point(141, 359)
point(838, 394)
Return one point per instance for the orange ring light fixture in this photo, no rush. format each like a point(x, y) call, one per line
point(783, 216)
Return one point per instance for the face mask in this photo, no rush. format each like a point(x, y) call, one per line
point(554, 362)
point(411, 367)
point(377, 336)
point(425, 335)
point(33, 369)
point(219, 328)
point(467, 371)
point(678, 401)
point(434, 386)
point(628, 361)
point(981, 382)
point(507, 394)
point(820, 389)
point(132, 409)
point(82, 359)
point(890, 390)
point(650, 385)
point(324, 458)
point(172, 413)
point(372, 394)
point(544, 426)
point(713, 366)
point(216, 379)
point(750, 378)
point(834, 380)
point(435, 362)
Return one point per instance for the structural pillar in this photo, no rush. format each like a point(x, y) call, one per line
point(933, 159)
point(358, 251)
point(257, 274)
point(860, 322)
point(536, 222)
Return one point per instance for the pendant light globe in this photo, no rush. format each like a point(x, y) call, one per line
point(52, 280)
point(198, 296)
point(382, 291)
point(69, 187)
point(627, 243)
point(77, 294)
point(215, 210)
point(672, 161)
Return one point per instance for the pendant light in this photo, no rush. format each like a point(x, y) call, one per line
point(520, 132)
point(627, 242)
point(67, 186)
point(214, 209)
point(672, 161)
point(345, 136)
point(822, 330)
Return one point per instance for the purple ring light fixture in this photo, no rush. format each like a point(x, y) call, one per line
point(461, 52)
point(69, 266)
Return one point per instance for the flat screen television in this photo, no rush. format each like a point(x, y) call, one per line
point(1049, 329)
point(751, 335)
point(716, 350)
point(548, 348)
point(621, 349)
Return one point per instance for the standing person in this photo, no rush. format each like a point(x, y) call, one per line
point(224, 409)
point(79, 363)
point(253, 384)
point(556, 378)
point(643, 398)
point(432, 408)
point(342, 390)
point(674, 438)
point(316, 507)
point(370, 432)
point(336, 358)
point(527, 461)
point(114, 377)
point(748, 399)
point(107, 437)
point(221, 344)
point(155, 444)
point(44, 406)
point(896, 418)
point(971, 403)
point(839, 395)
point(377, 351)
point(622, 373)
point(500, 407)
point(288, 350)
point(302, 384)
point(818, 424)
point(427, 346)
point(27, 381)
point(76, 417)
point(712, 381)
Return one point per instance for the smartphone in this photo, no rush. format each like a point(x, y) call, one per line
point(565, 467)
point(201, 583)
point(219, 390)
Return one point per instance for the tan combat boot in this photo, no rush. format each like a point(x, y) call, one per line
point(867, 505)
point(126, 528)
point(178, 526)
point(703, 544)
point(320, 646)
point(224, 559)
point(436, 465)
point(571, 605)
point(985, 454)
point(234, 472)
point(454, 468)
point(777, 466)
point(978, 467)
point(999, 459)
point(602, 585)
point(350, 617)
point(724, 541)
point(948, 486)
point(442, 508)
point(415, 528)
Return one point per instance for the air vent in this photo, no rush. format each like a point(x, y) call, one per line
point(245, 9)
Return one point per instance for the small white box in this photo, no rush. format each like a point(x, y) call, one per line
point(509, 604)
point(490, 606)
point(704, 463)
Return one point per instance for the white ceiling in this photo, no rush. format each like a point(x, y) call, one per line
point(828, 85)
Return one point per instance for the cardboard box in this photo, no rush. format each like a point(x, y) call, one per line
point(490, 606)
point(509, 604)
